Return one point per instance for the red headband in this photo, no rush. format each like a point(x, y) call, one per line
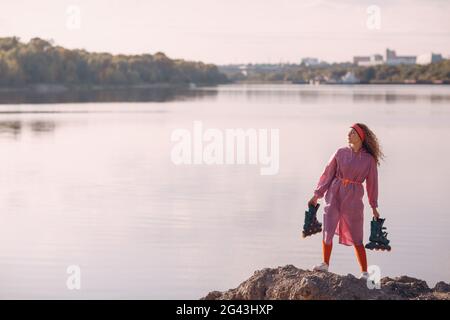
point(359, 131)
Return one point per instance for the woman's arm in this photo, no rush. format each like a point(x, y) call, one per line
point(325, 180)
point(372, 187)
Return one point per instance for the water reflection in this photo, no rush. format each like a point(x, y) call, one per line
point(98, 189)
point(14, 128)
point(336, 93)
point(10, 128)
point(302, 93)
point(103, 95)
point(42, 126)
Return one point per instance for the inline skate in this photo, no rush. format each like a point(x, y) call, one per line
point(311, 225)
point(378, 238)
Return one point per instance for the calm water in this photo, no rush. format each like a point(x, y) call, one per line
point(92, 184)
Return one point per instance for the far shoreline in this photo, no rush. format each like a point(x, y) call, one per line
point(60, 88)
point(344, 84)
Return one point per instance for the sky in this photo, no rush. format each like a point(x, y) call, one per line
point(235, 31)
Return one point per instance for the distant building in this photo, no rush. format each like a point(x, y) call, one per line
point(428, 58)
point(365, 61)
point(360, 59)
point(318, 80)
point(394, 60)
point(349, 78)
point(310, 62)
point(243, 70)
point(248, 69)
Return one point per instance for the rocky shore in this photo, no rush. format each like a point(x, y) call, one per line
point(289, 282)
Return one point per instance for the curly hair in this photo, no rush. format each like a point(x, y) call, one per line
point(371, 143)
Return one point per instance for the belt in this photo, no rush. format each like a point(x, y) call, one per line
point(346, 181)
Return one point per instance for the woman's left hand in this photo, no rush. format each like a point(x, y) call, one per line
point(375, 212)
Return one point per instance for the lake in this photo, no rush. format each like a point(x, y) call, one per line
point(91, 183)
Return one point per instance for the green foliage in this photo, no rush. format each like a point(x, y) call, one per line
point(439, 71)
point(39, 61)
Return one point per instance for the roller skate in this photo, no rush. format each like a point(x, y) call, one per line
point(378, 240)
point(311, 226)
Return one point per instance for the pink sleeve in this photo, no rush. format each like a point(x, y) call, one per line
point(327, 177)
point(372, 184)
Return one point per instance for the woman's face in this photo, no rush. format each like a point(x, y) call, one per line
point(353, 137)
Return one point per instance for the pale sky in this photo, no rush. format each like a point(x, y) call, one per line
point(234, 31)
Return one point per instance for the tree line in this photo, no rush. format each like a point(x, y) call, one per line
point(41, 62)
point(434, 72)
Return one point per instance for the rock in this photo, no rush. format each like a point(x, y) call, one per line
point(405, 287)
point(441, 286)
point(291, 283)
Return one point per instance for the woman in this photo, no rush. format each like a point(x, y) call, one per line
point(341, 183)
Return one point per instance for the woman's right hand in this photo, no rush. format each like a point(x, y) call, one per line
point(313, 201)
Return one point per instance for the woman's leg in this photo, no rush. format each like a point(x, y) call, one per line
point(361, 255)
point(326, 250)
point(330, 222)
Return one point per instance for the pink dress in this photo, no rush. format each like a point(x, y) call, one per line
point(342, 182)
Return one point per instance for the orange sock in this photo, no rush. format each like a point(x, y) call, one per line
point(326, 249)
point(361, 255)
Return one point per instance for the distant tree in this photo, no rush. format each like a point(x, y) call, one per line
point(39, 61)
